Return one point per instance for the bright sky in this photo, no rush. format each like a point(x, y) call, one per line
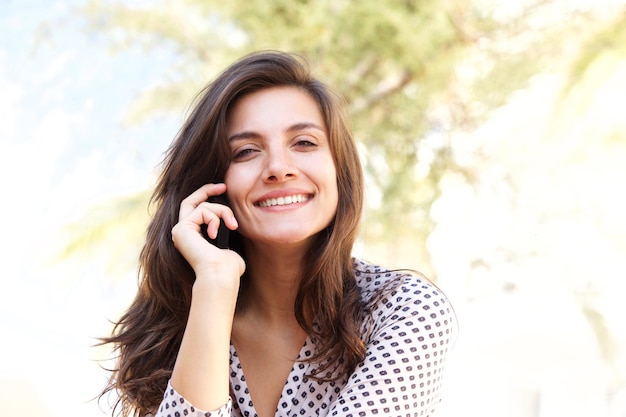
point(62, 149)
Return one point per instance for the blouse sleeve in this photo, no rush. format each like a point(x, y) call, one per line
point(174, 405)
point(413, 326)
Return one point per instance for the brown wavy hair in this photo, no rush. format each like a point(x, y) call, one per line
point(328, 306)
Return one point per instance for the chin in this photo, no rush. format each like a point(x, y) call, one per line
point(284, 239)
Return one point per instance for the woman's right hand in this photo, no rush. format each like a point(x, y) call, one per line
point(206, 259)
point(201, 371)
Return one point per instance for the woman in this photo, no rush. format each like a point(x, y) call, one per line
point(284, 321)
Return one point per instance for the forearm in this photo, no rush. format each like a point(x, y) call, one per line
point(201, 371)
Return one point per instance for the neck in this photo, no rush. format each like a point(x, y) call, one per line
point(274, 275)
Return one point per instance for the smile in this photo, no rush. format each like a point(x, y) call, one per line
point(283, 201)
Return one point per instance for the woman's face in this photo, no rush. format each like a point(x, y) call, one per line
point(281, 181)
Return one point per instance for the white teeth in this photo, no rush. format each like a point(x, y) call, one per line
point(281, 201)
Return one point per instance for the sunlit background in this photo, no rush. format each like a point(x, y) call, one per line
point(505, 182)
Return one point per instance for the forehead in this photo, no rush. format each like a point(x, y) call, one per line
point(274, 107)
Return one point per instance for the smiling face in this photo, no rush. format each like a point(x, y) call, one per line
point(281, 181)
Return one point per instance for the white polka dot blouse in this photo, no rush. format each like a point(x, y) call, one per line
point(408, 332)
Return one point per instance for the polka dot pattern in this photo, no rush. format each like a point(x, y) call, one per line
point(408, 330)
point(173, 405)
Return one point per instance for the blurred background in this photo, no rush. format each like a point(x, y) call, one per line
point(493, 134)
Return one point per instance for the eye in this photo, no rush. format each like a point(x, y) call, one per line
point(243, 153)
point(305, 142)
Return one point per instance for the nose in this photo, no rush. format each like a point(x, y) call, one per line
point(279, 166)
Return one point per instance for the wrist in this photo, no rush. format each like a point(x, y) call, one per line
point(221, 278)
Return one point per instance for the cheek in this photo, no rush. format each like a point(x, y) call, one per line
point(231, 187)
point(238, 185)
point(332, 190)
point(332, 176)
point(234, 179)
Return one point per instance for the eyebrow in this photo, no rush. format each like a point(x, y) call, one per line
point(293, 128)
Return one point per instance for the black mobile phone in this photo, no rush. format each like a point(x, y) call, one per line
point(223, 233)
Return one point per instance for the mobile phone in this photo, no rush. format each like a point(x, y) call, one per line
point(223, 233)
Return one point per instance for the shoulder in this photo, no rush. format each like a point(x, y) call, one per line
point(395, 296)
point(377, 283)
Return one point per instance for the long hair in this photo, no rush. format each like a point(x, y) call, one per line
point(328, 306)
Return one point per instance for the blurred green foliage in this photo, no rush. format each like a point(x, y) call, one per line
point(413, 74)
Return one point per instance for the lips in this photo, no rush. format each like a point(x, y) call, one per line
point(283, 200)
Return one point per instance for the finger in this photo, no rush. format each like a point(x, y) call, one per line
point(211, 213)
point(198, 197)
point(188, 228)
